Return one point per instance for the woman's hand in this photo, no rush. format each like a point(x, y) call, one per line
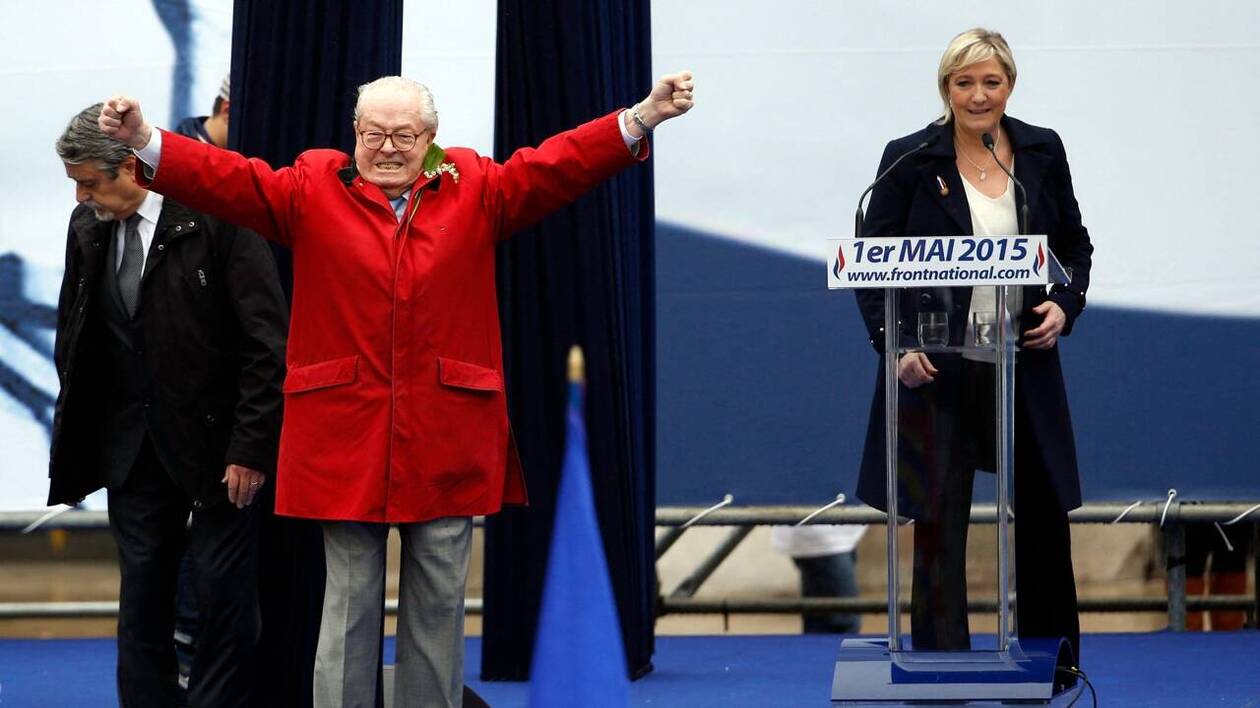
point(1044, 335)
point(914, 369)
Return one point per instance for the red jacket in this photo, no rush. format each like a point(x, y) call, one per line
point(394, 400)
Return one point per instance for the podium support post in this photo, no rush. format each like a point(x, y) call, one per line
point(891, 329)
point(1005, 407)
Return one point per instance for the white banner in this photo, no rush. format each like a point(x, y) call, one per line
point(937, 261)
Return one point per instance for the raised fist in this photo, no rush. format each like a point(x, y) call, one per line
point(122, 120)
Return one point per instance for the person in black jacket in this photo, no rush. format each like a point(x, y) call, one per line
point(946, 401)
point(170, 348)
point(211, 129)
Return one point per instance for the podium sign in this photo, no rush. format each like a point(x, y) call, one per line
point(866, 670)
point(937, 261)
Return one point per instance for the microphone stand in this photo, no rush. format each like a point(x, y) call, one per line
point(857, 222)
point(890, 414)
point(990, 145)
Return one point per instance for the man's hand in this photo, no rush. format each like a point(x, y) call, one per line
point(914, 369)
point(671, 97)
point(122, 120)
point(1044, 335)
point(243, 484)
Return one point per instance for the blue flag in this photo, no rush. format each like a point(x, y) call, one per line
point(578, 657)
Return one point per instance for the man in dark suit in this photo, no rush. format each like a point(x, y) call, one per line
point(211, 129)
point(170, 347)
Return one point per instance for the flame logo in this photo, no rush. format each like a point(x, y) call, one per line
point(1039, 261)
point(839, 262)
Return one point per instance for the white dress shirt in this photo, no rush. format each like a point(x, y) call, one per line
point(149, 211)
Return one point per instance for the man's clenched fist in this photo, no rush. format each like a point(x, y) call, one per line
point(122, 120)
point(671, 96)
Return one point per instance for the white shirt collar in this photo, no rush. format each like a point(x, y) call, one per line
point(151, 208)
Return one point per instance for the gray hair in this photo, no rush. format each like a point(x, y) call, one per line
point(424, 97)
point(972, 47)
point(84, 143)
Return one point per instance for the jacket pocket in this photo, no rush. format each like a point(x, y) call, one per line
point(325, 374)
point(461, 374)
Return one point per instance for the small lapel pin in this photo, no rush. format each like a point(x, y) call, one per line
point(943, 187)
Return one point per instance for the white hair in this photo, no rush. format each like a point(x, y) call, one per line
point(398, 84)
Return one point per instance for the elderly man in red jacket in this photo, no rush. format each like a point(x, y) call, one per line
point(395, 410)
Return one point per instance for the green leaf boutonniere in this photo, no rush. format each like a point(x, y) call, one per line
point(433, 163)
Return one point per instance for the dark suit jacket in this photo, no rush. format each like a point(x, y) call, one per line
point(909, 203)
point(198, 370)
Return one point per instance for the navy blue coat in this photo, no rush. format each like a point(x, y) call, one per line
point(910, 203)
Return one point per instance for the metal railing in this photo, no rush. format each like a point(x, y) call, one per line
point(1171, 516)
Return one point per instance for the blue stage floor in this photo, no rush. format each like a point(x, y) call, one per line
point(1146, 670)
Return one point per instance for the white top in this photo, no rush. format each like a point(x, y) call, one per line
point(991, 217)
point(814, 541)
point(149, 211)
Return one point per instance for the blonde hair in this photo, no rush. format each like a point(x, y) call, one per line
point(971, 47)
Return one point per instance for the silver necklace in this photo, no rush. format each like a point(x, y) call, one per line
point(984, 172)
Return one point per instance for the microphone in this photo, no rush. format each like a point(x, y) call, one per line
point(857, 222)
point(987, 139)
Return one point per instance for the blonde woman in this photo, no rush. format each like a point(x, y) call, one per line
point(955, 186)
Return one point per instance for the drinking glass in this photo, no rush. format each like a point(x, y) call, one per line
point(984, 328)
point(933, 329)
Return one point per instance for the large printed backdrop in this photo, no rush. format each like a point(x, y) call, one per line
point(61, 57)
point(764, 377)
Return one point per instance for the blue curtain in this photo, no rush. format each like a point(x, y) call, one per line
point(295, 67)
point(584, 276)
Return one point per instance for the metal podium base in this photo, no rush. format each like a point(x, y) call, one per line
point(867, 673)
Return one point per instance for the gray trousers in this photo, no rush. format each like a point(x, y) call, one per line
point(430, 668)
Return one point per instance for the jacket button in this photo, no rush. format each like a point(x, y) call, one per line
point(192, 224)
point(209, 419)
point(147, 403)
point(926, 298)
point(179, 228)
point(197, 504)
point(161, 247)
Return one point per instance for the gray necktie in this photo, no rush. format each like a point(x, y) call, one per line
point(132, 265)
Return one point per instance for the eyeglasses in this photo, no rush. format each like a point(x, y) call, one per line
point(375, 140)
